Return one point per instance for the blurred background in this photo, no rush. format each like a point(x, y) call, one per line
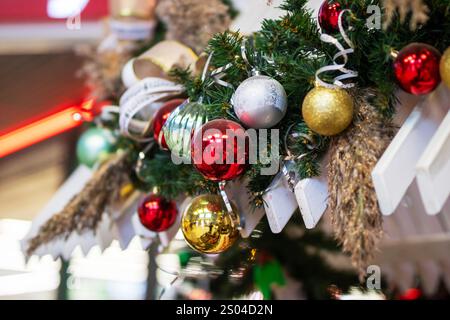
point(38, 76)
point(39, 86)
point(44, 97)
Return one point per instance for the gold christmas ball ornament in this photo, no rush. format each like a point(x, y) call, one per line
point(327, 111)
point(444, 67)
point(207, 225)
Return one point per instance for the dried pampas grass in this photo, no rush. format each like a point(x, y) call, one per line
point(84, 211)
point(419, 12)
point(193, 22)
point(356, 218)
point(102, 71)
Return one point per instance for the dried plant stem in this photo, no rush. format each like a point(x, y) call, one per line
point(193, 22)
point(418, 9)
point(357, 221)
point(84, 211)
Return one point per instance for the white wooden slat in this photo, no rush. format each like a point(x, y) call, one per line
point(312, 197)
point(405, 274)
point(237, 192)
point(408, 223)
point(279, 203)
point(433, 169)
point(146, 236)
point(122, 228)
point(403, 220)
point(88, 242)
point(390, 229)
point(396, 169)
point(399, 273)
point(123, 231)
point(68, 189)
point(430, 275)
point(425, 224)
point(428, 269)
point(103, 235)
point(444, 216)
point(416, 248)
point(445, 265)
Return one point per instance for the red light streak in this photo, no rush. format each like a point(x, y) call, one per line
point(45, 128)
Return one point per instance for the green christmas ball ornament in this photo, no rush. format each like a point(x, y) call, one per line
point(94, 145)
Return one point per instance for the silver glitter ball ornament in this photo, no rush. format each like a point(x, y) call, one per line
point(260, 102)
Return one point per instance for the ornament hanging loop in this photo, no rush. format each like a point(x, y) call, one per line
point(228, 204)
point(255, 57)
point(141, 157)
point(311, 145)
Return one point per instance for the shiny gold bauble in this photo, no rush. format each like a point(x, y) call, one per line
point(444, 67)
point(327, 111)
point(207, 225)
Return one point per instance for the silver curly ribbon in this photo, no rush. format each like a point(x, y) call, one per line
point(343, 52)
point(217, 74)
point(228, 204)
point(254, 71)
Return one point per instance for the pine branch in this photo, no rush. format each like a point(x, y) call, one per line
point(172, 179)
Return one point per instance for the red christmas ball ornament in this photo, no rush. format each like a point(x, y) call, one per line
point(160, 119)
point(416, 68)
point(219, 150)
point(157, 214)
point(329, 16)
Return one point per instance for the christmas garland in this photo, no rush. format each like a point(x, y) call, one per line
point(289, 76)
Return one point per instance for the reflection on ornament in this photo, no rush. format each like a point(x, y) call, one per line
point(327, 111)
point(94, 145)
point(329, 16)
point(207, 225)
point(416, 68)
point(445, 67)
point(260, 102)
point(157, 214)
point(220, 150)
point(181, 126)
point(160, 118)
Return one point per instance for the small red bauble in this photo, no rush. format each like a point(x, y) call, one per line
point(329, 16)
point(161, 117)
point(416, 68)
point(157, 214)
point(219, 150)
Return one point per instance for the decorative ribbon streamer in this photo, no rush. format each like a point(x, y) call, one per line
point(148, 86)
point(347, 74)
point(217, 74)
point(129, 110)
